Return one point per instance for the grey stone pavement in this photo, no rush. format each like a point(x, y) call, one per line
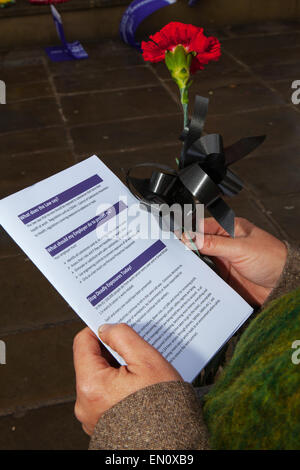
point(127, 112)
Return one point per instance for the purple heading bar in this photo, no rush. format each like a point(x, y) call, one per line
point(118, 279)
point(85, 228)
point(59, 199)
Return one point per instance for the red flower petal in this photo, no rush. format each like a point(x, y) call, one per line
point(210, 52)
point(189, 36)
point(151, 52)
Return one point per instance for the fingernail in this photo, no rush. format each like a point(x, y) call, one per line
point(103, 328)
point(189, 236)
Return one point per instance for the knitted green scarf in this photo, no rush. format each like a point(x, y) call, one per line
point(256, 402)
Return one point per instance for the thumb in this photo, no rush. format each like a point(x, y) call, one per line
point(127, 343)
point(219, 246)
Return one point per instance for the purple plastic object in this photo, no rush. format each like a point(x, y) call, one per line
point(68, 50)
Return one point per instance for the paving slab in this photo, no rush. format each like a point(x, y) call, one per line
point(277, 175)
point(24, 169)
point(105, 80)
point(284, 87)
point(39, 367)
point(128, 158)
point(125, 135)
point(272, 72)
point(285, 209)
point(281, 125)
point(115, 105)
point(244, 47)
point(8, 247)
point(47, 428)
point(31, 140)
point(245, 205)
point(23, 70)
point(102, 56)
point(29, 114)
point(28, 300)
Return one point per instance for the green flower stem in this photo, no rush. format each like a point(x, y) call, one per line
point(179, 62)
point(185, 105)
point(185, 115)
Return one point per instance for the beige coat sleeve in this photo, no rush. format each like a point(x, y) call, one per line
point(290, 276)
point(167, 416)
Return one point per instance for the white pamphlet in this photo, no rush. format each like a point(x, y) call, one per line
point(79, 229)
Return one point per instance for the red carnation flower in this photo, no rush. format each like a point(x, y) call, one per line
point(204, 49)
point(185, 49)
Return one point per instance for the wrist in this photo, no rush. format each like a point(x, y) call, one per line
point(281, 256)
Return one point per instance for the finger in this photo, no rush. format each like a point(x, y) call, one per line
point(87, 430)
point(128, 343)
point(242, 227)
point(212, 226)
point(87, 354)
point(108, 356)
point(219, 246)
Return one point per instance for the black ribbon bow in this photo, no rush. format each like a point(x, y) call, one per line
point(203, 174)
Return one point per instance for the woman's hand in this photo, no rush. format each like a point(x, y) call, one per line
point(100, 386)
point(251, 263)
